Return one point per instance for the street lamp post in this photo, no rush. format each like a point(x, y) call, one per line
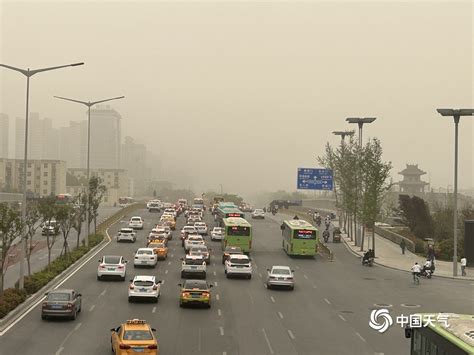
point(456, 114)
point(28, 73)
point(89, 104)
point(360, 122)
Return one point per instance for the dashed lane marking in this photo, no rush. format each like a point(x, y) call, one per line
point(273, 299)
point(166, 271)
point(169, 262)
point(103, 292)
point(214, 273)
point(340, 316)
point(153, 310)
point(267, 341)
point(221, 329)
point(327, 301)
point(280, 315)
point(361, 337)
point(59, 351)
point(219, 312)
point(306, 277)
point(259, 274)
point(215, 283)
point(217, 297)
point(92, 308)
point(292, 336)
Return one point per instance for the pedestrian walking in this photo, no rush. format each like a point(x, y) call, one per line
point(403, 245)
point(431, 253)
point(463, 266)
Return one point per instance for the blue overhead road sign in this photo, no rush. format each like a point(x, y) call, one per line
point(314, 179)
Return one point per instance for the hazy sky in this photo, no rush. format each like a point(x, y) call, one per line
point(243, 93)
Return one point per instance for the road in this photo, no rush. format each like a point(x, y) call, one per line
point(39, 259)
point(327, 313)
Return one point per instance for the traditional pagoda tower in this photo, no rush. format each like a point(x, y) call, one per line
point(412, 183)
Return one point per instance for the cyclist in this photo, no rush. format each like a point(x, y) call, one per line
point(416, 270)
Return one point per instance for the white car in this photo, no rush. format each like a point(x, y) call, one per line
point(238, 265)
point(171, 211)
point(126, 234)
point(201, 227)
point(258, 213)
point(145, 257)
point(191, 240)
point(217, 233)
point(280, 276)
point(136, 223)
point(193, 265)
point(144, 287)
point(113, 266)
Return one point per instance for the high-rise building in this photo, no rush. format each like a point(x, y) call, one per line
point(134, 160)
point(73, 144)
point(105, 138)
point(4, 133)
point(43, 139)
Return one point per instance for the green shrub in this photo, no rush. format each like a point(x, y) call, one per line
point(10, 299)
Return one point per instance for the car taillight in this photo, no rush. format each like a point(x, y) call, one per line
point(205, 294)
point(154, 346)
point(70, 305)
point(289, 278)
point(124, 346)
point(102, 266)
point(185, 294)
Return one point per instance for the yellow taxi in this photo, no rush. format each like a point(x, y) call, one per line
point(134, 336)
point(168, 221)
point(195, 292)
point(157, 239)
point(160, 248)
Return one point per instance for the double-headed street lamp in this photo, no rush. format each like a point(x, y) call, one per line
point(89, 104)
point(343, 134)
point(360, 121)
point(28, 73)
point(456, 114)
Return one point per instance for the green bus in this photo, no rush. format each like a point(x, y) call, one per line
point(227, 212)
point(299, 237)
point(237, 233)
point(445, 334)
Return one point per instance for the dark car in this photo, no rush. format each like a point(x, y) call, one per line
point(62, 303)
point(230, 250)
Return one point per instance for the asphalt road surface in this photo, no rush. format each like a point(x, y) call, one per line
point(327, 313)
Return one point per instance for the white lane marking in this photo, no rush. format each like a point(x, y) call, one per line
point(59, 351)
point(306, 277)
point(92, 308)
point(174, 249)
point(327, 301)
point(163, 282)
point(217, 297)
point(340, 316)
point(172, 255)
point(33, 306)
point(361, 337)
point(260, 274)
point(268, 341)
point(314, 286)
point(169, 262)
point(103, 292)
point(219, 312)
point(215, 283)
point(256, 266)
point(292, 336)
point(214, 273)
point(221, 329)
point(77, 326)
point(273, 300)
point(166, 271)
point(224, 353)
point(280, 315)
point(153, 310)
point(250, 296)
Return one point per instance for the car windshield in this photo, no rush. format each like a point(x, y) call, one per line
point(146, 252)
point(190, 284)
point(136, 219)
point(125, 230)
point(217, 230)
point(137, 335)
point(57, 296)
point(281, 271)
point(239, 261)
point(143, 283)
point(111, 259)
point(258, 211)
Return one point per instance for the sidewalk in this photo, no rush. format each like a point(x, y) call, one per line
point(390, 255)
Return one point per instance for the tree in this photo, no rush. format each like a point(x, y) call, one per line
point(48, 210)
point(80, 216)
point(97, 191)
point(416, 214)
point(66, 216)
point(11, 228)
point(32, 223)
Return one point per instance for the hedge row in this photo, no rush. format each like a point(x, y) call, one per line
point(12, 297)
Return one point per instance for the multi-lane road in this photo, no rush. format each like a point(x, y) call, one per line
point(327, 313)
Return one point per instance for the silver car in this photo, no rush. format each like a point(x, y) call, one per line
point(126, 234)
point(61, 303)
point(281, 276)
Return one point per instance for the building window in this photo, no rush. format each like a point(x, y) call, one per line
point(45, 165)
point(28, 182)
point(45, 192)
point(45, 174)
point(28, 173)
point(29, 165)
point(45, 182)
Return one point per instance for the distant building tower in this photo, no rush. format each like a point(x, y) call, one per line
point(412, 183)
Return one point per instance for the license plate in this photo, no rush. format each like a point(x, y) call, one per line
point(196, 296)
point(193, 267)
point(56, 306)
point(281, 278)
point(111, 268)
point(142, 290)
point(143, 261)
point(138, 350)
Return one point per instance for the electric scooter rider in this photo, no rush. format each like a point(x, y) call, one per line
point(368, 257)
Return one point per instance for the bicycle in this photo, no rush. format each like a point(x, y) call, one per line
point(416, 278)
